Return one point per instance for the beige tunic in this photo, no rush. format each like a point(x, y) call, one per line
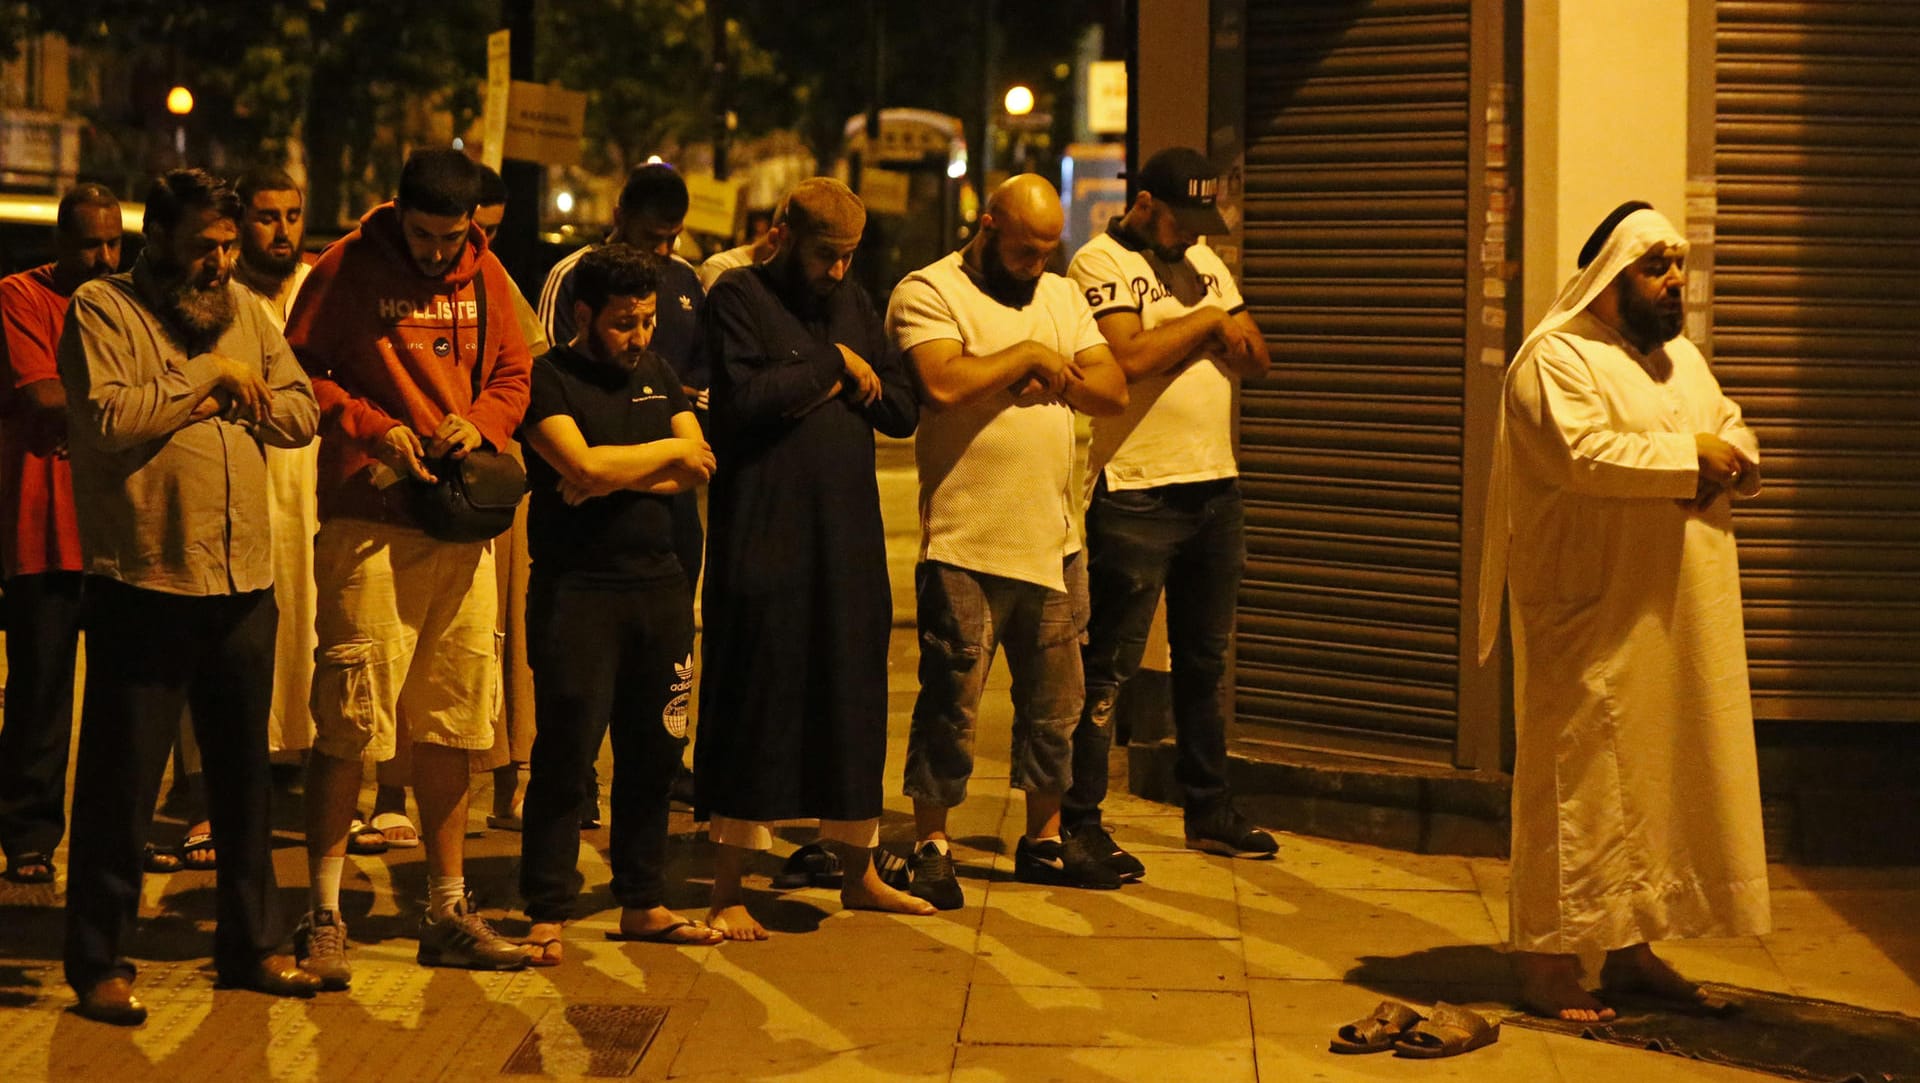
point(293, 507)
point(1636, 806)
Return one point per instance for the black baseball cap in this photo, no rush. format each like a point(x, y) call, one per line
point(1184, 180)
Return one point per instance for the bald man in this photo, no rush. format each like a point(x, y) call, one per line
point(1005, 353)
point(797, 608)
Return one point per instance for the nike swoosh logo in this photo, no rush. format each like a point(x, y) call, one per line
point(1050, 862)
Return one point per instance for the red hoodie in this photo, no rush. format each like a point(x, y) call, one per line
point(386, 345)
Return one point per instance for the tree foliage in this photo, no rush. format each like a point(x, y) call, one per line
point(350, 79)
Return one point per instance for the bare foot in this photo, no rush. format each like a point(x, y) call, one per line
point(1550, 987)
point(872, 893)
point(733, 922)
point(544, 947)
point(664, 926)
point(1637, 970)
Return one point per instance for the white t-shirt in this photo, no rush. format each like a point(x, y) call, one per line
point(721, 262)
point(1177, 426)
point(995, 478)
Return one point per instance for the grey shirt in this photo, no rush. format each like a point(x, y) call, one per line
point(166, 504)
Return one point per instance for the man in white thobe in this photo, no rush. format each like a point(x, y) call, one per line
point(1636, 804)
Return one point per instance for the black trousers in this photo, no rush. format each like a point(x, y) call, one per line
point(149, 654)
point(43, 636)
point(605, 659)
point(1190, 539)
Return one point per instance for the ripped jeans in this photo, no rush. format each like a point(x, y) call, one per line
point(964, 616)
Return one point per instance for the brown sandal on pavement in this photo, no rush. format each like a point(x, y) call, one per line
point(1375, 1033)
point(1447, 1032)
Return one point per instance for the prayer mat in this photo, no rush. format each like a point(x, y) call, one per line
point(1789, 1036)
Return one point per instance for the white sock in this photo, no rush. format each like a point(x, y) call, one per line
point(938, 844)
point(444, 894)
point(324, 874)
point(1042, 839)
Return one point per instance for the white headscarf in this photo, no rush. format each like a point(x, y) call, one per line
point(1636, 235)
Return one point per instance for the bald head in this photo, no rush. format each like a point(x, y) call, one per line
point(1019, 233)
point(1027, 202)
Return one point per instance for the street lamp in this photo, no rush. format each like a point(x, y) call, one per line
point(1019, 101)
point(180, 103)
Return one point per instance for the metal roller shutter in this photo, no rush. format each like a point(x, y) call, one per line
point(1816, 311)
point(1355, 265)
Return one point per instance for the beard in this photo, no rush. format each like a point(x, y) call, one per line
point(624, 362)
point(204, 310)
point(1002, 284)
point(269, 267)
point(1652, 322)
point(1171, 253)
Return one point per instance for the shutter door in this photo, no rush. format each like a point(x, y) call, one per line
point(1355, 266)
point(1816, 311)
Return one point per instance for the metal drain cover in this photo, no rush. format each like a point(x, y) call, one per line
point(587, 1040)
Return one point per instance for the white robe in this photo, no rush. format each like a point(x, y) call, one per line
point(1636, 804)
point(294, 512)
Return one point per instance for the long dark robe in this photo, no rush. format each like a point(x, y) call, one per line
point(797, 608)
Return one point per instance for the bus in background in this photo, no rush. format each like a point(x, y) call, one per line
point(914, 183)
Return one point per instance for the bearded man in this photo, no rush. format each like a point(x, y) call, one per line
point(174, 389)
point(1636, 798)
point(793, 708)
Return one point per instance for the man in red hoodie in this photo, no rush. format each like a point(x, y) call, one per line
point(390, 326)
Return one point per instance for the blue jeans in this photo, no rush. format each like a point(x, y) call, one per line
point(964, 616)
point(1191, 540)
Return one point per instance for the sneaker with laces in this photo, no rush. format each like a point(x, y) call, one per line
point(320, 946)
point(464, 939)
point(1225, 831)
point(932, 878)
point(1100, 841)
point(1069, 862)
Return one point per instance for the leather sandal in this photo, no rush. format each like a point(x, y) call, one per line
point(1375, 1033)
point(1447, 1032)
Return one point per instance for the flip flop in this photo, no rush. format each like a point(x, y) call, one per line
point(364, 838)
point(1375, 1033)
point(541, 959)
point(812, 865)
point(1447, 1032)
point(160, 859)
point(31, 868)
point(664, 935)
point(194, 851)
point(388, 823)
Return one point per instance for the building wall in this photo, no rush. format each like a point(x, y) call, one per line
point(1605, 97)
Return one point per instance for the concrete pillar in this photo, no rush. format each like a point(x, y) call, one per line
point(1605, 104)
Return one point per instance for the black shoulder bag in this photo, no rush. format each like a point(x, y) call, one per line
point(475, 498)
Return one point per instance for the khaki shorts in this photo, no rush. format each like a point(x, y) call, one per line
point(405, 625)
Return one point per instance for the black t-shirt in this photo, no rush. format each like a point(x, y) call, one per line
point(624, 536)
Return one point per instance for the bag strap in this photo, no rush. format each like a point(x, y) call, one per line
point(480, 306)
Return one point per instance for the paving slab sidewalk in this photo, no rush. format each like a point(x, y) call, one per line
point(1210, 970)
